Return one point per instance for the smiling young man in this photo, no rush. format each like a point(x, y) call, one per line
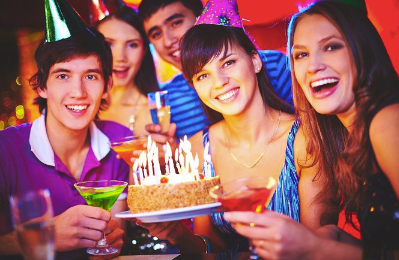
point(165, 22)
point(66, 144)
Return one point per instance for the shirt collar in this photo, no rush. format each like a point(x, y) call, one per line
point(41, 147)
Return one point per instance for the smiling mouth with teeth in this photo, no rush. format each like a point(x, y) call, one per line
point(77, 108)
point(227, 95)
point(317, 86)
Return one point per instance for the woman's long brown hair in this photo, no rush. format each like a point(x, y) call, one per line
point(347, 157)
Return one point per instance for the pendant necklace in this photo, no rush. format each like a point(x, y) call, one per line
point(261, 155)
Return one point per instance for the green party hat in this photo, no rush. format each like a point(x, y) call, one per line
point(62, 21)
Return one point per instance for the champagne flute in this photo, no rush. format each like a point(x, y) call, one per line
point(160, 110)
point(246, 194)
point(33, 221)
point(102, 194)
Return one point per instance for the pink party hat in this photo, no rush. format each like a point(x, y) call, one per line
point(221, 12)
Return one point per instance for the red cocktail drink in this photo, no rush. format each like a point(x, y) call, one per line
point(246, 200)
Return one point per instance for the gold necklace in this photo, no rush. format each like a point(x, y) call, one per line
point(261, 155)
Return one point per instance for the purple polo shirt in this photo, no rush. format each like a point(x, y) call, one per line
point(27, 162)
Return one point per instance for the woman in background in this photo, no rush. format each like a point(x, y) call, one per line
point(347, 94)
point(133, 70)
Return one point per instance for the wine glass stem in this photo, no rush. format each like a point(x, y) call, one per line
point(102, 242)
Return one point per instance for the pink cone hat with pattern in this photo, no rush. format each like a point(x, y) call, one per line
point(221, 12)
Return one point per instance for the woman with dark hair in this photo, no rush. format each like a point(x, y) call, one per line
point(347, 93)
point(253, 134)
point(133, 70)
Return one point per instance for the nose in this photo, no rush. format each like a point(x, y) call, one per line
point(316, 64)
point(119, 53)
point(220, 79)
point(169, 39)
point(77, 89)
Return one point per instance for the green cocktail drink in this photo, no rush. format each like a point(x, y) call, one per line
point(102, 197)
point(101, 194)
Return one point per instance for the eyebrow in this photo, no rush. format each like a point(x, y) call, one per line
point(298, 46)
point(69, 71)
point(167, 20)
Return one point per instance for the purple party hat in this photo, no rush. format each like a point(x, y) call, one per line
point(221, 12)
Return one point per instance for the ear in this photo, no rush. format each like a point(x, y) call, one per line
point(257, 62)
point(42, 92)
point(109, 86)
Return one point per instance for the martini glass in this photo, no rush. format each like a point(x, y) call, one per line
point(246, 194)
point(126, 145)
point(102, 194)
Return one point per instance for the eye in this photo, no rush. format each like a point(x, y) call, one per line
point(299, 55)
point(202, 77)
point(62, 76)
point(177, 22)
point(109, 43)
point(228, 63)
point(333, 47)
point(91, 77)
point(155, 35)
point(134, 45)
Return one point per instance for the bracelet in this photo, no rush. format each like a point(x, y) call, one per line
point(206, 242)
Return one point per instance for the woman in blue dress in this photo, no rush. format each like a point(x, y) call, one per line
point(347, 91)
point(252, 133)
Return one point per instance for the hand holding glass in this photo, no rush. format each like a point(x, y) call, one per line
point(33, 221)
point(247, 194)
point(160, 110)
point(102, 194)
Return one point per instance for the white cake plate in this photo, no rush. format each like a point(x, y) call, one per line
point(172, 214)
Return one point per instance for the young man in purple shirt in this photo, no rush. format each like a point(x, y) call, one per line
point(66, 144)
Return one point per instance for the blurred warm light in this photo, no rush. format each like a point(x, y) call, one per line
point(20, 111)
point(18, 81)
point(6, 101)
point(12, 121)
point(1, 124)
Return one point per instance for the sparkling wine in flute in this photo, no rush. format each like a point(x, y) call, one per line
point(36, 240)
point(158, 104)
point(161, 116)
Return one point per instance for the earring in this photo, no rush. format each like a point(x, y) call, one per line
point(258, 69)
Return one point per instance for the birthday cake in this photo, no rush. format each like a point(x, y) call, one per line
point(154, 191)
point(154, 197)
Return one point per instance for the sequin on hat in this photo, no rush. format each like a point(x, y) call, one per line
point(221, 12)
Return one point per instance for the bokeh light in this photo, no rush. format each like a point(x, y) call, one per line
point(20, 111)
point(12, 121)
point(6, 101)
point(2, 124)
point(19, 80)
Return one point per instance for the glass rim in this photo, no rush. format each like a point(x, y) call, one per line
point(82, 183)
point(219, 188)
point(130, 138)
